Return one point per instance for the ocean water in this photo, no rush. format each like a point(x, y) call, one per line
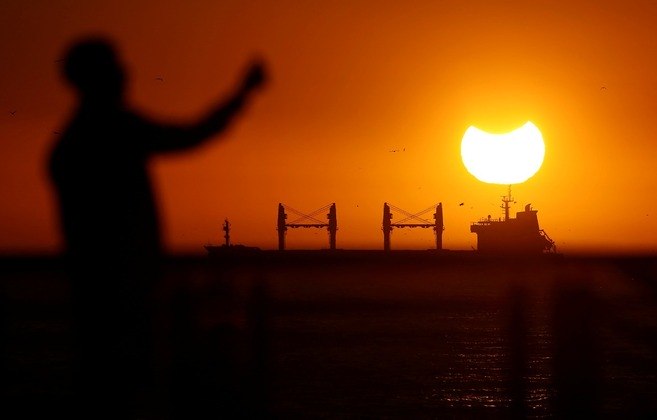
point(405, 341)
point(402, 337)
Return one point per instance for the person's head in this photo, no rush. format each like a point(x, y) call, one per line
point(92, 67)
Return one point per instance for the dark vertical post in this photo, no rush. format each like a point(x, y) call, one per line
point(387, 226)
point(576, 357)
point(518, 335)
point(439, 227)
point(259, 316)
point(281, 227)
point(332, 226)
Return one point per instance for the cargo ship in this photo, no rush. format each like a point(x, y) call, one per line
point(519, 235)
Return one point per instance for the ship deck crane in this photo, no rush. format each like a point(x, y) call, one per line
point(307, 221)
point(413, 220)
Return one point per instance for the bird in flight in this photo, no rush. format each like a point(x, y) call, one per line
point(12, 112)
point(160, 78)
point(461, 204)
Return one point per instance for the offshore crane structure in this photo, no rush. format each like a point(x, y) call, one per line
point(413, 220)
point(307, 221)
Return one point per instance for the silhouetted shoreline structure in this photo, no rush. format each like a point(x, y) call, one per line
point(109, 219)
point(509, 235)
point(307, 221)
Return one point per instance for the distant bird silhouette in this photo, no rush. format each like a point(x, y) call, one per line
point(394, 151)
point(603, 88)
point(12, 112)
point(160, 78)
point(56, 132)
point(460, 204)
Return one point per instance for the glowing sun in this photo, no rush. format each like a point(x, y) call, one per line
point(509, 158)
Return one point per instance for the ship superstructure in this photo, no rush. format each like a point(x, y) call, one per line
point(521, 235)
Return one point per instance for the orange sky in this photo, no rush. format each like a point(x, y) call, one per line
point(351, 81)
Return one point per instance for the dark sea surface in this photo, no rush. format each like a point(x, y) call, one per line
point(370, 335)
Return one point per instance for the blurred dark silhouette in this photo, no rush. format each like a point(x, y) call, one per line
point(109, 218)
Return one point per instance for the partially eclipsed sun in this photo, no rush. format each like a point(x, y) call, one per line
point(509, 158)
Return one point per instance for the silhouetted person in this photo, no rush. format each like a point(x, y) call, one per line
point(99, 167)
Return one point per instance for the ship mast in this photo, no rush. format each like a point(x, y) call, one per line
point(227, 230)
point(507, 200)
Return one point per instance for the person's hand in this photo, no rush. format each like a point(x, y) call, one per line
point(255, 77)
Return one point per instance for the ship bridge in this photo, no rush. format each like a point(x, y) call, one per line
point(521, 234)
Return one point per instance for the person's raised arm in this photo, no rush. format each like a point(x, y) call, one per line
point(173, 138)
